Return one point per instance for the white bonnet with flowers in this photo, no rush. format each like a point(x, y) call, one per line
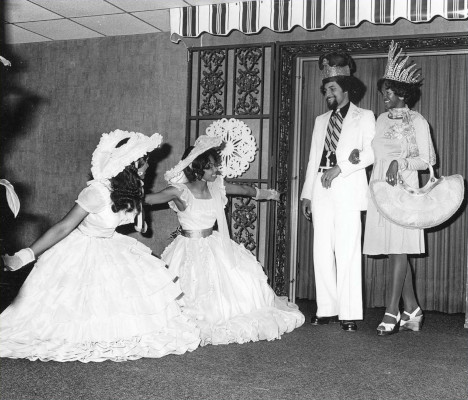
point(109, 160)
point(202, 144)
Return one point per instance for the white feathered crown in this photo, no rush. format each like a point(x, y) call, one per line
point(396, 69)
point(109, 160)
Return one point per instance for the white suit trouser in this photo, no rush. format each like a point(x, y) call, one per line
point(337, 256)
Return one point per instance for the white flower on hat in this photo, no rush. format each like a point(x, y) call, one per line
point(108, 160)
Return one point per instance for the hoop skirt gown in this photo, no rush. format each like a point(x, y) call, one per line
point(226, 290)
point(97, 295)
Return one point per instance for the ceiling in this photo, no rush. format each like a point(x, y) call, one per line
point(29, 21)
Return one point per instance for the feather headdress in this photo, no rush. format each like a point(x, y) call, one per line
point(397, 68)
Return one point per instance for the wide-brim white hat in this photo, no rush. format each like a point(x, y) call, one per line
point(109, 160)
point(202, 144)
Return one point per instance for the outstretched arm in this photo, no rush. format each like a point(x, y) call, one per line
point(53, 235)
point(250, 191)
point(60, 230)
point(239, 190)
point(171, 193)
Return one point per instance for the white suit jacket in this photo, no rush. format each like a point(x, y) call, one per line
point(349, 188)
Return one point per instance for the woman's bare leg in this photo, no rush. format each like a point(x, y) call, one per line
point(398, 263)
point(410, 301)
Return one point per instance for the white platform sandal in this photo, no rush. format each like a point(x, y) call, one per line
point(385, 329)
point(414, 323)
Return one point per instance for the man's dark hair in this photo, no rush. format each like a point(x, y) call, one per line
point(354, 86)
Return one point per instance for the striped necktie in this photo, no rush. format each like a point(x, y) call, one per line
point(333, 131)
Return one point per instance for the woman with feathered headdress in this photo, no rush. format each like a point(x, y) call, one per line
point(402, 145)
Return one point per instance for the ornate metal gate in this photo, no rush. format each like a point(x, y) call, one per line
point(239, 82)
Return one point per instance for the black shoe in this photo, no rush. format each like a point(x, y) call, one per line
point(324, 320)
point(349, 326)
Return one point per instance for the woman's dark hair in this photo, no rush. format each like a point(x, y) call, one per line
point(196, 171)
point(411, 92)
point(126, 188)
point(354, 86)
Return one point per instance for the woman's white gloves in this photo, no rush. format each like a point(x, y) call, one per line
point(267, 194)
point(19, 259)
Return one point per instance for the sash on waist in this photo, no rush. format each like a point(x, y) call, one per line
point(196, 234)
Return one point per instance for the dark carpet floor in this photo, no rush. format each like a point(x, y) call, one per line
point(313, 362)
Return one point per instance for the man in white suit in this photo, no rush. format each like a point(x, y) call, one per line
point(335, 192)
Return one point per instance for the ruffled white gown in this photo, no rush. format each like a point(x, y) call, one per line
point(226, 290)
point(97, 295)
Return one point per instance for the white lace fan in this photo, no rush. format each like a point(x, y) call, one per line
point(240, 147)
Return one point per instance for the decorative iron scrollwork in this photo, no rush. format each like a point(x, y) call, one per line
point(244, 217)
point(248, 81)
point(213, 83)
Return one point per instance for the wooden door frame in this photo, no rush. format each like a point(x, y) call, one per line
point(288, 54)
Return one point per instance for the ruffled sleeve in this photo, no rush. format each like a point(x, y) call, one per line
point(218, 186)
point(94, 198)
point(186, 196)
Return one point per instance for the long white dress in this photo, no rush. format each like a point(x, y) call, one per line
point(226, 290)
point(97, 295)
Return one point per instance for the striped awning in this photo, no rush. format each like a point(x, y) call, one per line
point(282, 15)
